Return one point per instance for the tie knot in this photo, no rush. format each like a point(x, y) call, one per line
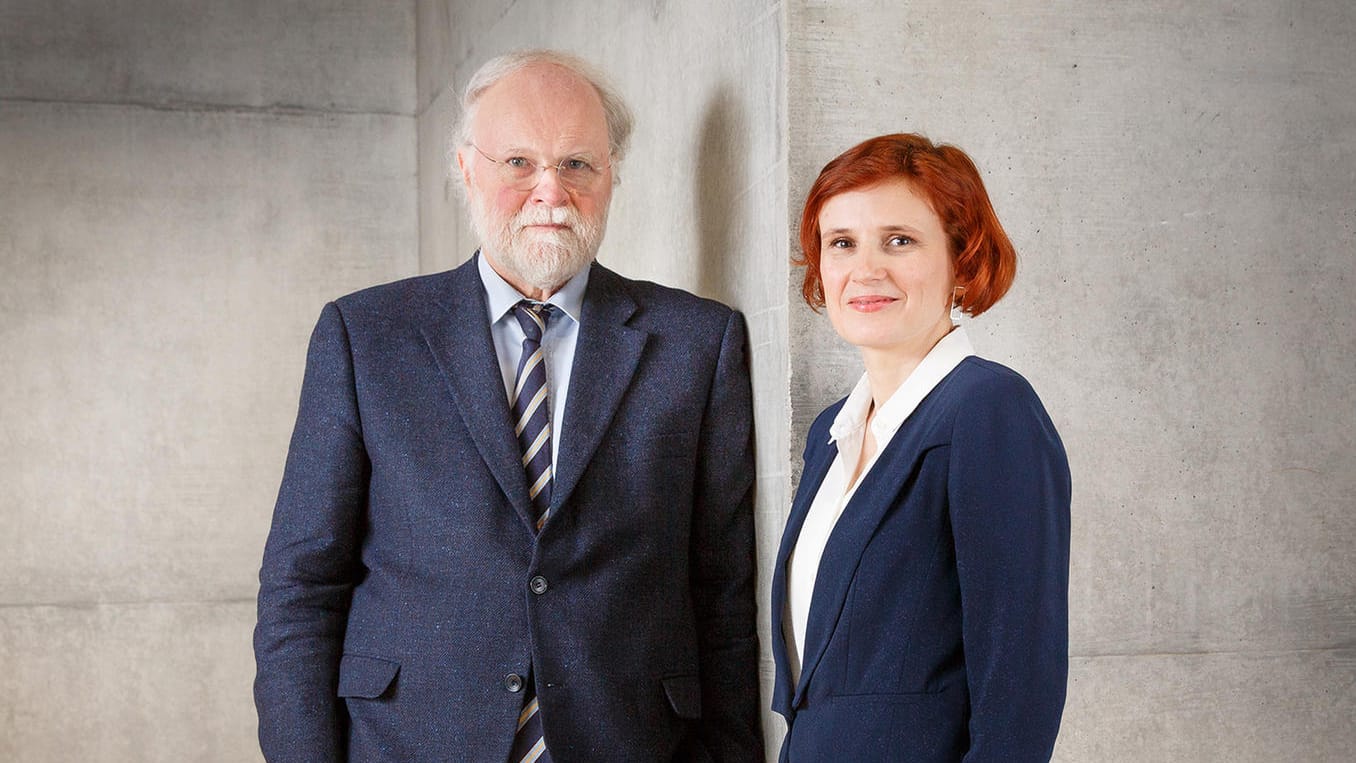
point(532, 316)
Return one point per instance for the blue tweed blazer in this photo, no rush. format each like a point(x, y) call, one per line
point(938, 626)
point(404, 594)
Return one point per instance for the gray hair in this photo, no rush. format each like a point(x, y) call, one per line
point(615, 110)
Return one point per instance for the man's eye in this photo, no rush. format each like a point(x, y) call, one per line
point(576, 165)
point(518, 163)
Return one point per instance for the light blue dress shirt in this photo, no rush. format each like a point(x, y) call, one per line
point(557, 343)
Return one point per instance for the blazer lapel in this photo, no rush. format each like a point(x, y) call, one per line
point(816, 467)
point(606, 356)
point(464, 351)
point(838, 566)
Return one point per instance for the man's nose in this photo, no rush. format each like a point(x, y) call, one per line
point(549, 189)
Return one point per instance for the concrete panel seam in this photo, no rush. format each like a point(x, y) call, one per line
point(93, 604)
point(1343, 647)
point(216, 108)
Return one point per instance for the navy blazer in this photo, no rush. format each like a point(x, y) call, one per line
point(396, 615)
point(938, 626)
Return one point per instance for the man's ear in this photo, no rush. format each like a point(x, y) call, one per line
point(465, 168)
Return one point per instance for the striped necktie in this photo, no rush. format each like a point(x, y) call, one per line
point(532, 408)
point(532, 423)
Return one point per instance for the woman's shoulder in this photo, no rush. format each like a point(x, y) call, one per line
point(977, 378)
point(994, 402)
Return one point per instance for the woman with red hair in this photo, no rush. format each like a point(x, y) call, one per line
point(920, 596)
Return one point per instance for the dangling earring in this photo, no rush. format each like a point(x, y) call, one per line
point(957, 294)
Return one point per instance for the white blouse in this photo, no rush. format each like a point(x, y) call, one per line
point(834, 492)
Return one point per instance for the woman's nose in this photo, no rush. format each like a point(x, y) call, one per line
point(868, 268)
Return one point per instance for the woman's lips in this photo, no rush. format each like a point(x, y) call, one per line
point(870, 304)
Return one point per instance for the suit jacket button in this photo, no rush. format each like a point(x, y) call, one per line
point(513, 682)
point(537, 585)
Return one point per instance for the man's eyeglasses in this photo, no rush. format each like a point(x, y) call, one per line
point(522, 174)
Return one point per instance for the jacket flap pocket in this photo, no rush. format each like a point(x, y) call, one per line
point(366, 677)
point(685, 695)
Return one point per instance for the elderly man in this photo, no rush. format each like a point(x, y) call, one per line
point(515, 522)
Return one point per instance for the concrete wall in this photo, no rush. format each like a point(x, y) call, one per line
point(702, 202)
point(1178, 179)
point(182, 186)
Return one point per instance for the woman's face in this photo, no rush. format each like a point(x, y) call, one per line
point(887, 270)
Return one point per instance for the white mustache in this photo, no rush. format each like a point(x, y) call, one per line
point(545, 216)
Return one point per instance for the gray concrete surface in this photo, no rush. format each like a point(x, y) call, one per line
point(182, 186)
point(1251, 705)
point(324, 55)
point(131, 681)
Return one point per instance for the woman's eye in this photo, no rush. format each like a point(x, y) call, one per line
point(899, 241)
point(840, 243)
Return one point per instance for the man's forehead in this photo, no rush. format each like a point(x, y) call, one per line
point(541, 102)
point(543, 76)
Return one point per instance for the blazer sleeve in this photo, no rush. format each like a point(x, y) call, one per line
point(310, 560)
point(723, 569)
point(1009, 491)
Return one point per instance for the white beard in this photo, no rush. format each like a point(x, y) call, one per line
point(541, 259)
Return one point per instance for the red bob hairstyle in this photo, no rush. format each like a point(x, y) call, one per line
point(943, 175)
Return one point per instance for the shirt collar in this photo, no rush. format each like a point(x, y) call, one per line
point(500, 296)
point(941, 360)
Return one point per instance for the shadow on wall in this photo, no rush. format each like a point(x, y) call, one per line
point(721, 176)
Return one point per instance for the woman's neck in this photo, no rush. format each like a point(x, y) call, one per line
point(887, 369)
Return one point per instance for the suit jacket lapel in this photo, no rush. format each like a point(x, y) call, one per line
point(464, 351)
point(816, 467)
point(838, 566)
point(606, 356)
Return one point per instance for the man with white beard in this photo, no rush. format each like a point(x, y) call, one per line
point(516, 518)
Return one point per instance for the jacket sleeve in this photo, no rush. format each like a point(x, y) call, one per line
point(723, 569)
point(1009, 491)
point(311, 560)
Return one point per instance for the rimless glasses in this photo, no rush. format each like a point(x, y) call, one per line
point(521, 174)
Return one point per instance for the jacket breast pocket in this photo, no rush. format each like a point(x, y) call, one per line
point(638, 449)
point(364, 677)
